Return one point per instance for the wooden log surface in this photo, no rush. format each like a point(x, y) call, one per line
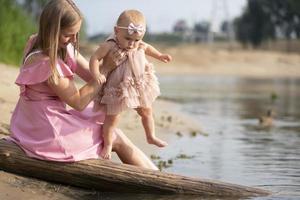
point(105, 175)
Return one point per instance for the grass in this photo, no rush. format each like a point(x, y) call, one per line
point(16, 27)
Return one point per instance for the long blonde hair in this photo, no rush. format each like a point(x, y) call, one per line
point(56, 16)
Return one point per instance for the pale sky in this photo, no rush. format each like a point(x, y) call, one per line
point(161, 15)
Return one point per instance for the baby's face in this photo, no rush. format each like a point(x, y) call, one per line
point(128, 41)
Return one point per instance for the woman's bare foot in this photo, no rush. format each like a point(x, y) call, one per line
point(106, 152)
point(156, 141)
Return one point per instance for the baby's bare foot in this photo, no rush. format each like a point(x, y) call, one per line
point(106, 152)
point(156, 141)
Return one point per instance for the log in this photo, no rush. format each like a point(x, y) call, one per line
point(105, 175)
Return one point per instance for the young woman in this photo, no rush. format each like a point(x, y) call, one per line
point(41, 124)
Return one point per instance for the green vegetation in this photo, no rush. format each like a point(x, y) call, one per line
point(264, 20)
point(16, 27)
point(18, 19)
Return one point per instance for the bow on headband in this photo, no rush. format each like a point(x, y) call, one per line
point(139, 29)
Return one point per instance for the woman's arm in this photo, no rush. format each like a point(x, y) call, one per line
point(66, 90)
point(82, 69)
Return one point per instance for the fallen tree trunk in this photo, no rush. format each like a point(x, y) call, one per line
point(108, 176)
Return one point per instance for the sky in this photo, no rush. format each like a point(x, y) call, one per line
point(161, 15)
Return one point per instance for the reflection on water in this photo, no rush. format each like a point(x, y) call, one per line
point(237, 149)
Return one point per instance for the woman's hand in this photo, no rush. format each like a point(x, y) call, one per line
point(115, 57)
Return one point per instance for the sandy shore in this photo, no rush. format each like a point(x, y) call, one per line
point(204, 59)
point(168, 118)
point(208, 60)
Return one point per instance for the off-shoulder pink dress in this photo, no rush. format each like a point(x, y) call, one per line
point(132, 84)
point(42, 125)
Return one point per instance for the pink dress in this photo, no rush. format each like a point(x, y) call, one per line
point(42, 125)
point(132, 84)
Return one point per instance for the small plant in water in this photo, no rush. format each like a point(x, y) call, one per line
point(170, 161)
point(273, 97)
point(154, 157)
point(193, 133)
point(178, 133)
point(164, 164)
point(183, 156)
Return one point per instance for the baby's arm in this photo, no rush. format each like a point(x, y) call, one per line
point(153, 52)
point(96, 59)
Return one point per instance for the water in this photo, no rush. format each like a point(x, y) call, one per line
point(236, 149)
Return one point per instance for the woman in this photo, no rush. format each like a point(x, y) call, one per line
point(41, 124)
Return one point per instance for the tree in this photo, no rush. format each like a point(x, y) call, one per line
point(180, 27)
point(34, 7)
point(261, 18)
point(255, 25)
point(285, 15)
point(15, 28)
point(201, 31)
point(202, 27)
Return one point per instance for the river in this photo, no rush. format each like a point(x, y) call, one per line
point(235, 148)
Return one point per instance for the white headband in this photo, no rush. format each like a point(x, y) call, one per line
point(139, 29)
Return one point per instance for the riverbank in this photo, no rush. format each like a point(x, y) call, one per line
point(222, 60)
point(209, 60)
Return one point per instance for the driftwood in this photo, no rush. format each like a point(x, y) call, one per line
point(108, 176)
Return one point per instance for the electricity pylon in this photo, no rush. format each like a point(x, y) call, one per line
point(220, 7)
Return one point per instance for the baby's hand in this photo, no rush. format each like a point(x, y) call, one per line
point(165, 58)
point(100, 79)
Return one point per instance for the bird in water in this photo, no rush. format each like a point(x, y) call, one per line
point(267, 120)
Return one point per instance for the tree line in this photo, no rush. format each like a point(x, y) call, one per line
point(261, 20)
point(264, 20)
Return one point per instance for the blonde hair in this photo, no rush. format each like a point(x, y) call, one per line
point(131, 16)
point(56, 16)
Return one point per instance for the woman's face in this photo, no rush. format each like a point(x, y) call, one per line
point(68, 35)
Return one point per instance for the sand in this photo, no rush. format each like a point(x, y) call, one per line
point(169, 120)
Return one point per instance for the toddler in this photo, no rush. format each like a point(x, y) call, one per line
point(133, 83)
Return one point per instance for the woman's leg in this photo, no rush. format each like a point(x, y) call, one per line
point(148, 124)
point(129, 153)
point(109, 125)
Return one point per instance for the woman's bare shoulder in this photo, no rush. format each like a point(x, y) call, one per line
point(35, 58)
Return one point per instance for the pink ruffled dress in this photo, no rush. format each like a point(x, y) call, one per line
point(42, 125)
point(132, 84)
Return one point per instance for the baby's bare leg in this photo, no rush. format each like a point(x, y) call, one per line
point(109, 125)
point(148, 124)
